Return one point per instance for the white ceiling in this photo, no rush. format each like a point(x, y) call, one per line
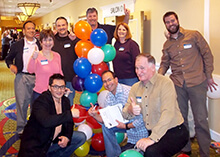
point(9, 7)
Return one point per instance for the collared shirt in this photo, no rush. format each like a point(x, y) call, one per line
point(121, 96)
point(190, 58)
point(29, 48)
point(159, 107)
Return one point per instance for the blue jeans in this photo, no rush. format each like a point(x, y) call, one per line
point(78, 139)
point(112, 147)
point(129, 81)
point(71, 95)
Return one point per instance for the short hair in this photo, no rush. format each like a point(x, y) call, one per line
point(149, 57)
point(168, 14)
point(91, 10)
point(106, 71)
point(45, 33)
point(128, 36)
point(27, 23)
point(61, 17)
point(56, 76)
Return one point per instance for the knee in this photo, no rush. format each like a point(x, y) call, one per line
point(151, 152)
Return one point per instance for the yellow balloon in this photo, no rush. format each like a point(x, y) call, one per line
point(83, 150)
point(103, 88)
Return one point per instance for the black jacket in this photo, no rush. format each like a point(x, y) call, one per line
point(39, 131)
point(15, 55)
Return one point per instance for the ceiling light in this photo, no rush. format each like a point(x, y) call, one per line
point(22, 17)
point(28, 8)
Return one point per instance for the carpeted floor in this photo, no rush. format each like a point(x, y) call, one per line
point(9, 141)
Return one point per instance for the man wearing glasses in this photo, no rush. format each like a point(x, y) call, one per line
point(49, 131)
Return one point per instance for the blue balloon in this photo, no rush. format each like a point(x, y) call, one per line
point(93, 83)
point(82, 67)
point(99, 37)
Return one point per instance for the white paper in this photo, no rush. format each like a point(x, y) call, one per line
point(110, 114)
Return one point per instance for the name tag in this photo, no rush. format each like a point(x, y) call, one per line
point(26, 50)
point(67, 45)
point(187, 46)
point(121, 49)
point(138, 99)
point(44, 62)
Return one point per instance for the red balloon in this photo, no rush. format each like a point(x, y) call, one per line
point(83, 30)
point(99, 68)
point(82, 48)
point(82, 113)
point(92, 122)
point(98, 142)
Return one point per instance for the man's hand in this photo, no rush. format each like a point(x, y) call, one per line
point(211, 84)
point(134, 108)
point(63, 141)
point(143, 143)
point(75, 112)
point(13, 69)
point(127, 14)
point(72, 36)
point(121, 125)
point(92, 112)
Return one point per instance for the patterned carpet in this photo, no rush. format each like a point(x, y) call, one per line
point(9, 141)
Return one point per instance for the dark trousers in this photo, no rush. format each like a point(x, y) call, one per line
point(5, 50)
point(170, 144)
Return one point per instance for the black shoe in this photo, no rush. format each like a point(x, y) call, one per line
point(20, 135)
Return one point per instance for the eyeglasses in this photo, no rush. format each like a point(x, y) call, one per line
point(108, 80)
point(56, 87)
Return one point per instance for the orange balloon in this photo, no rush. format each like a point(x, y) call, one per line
point(83, 30)
point(82, 48)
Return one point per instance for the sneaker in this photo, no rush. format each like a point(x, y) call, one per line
point(215, 145)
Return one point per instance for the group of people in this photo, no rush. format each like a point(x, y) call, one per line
point(155, 106)
point(8, 38)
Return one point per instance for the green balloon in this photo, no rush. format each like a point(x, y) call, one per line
point(131, 153)
point(119, 136)
point(87, 97)
point(109, 52)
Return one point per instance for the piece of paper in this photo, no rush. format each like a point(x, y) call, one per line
point(110, 114)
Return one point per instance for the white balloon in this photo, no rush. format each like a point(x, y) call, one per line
point(86, 129)
point(101, 98)
point(215, 94)
point(95, 55)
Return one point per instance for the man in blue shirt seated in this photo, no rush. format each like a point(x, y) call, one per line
point(118, 94)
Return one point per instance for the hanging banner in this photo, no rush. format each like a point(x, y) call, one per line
point(117, 9)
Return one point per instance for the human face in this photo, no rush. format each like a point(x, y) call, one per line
point(29, 31)
point(92, 19)
point(122, 32)
point(143, 69)
point(47, 43)
point(172, 24)
point(57, 88)
point(62, 27)
point(110, 83)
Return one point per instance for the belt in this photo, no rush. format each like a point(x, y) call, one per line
point(27, 73)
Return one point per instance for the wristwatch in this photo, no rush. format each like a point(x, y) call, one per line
point(126, 125)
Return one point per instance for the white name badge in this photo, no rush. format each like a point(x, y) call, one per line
point(26, 50)
point(121, 49)
point(44, 62)
point(138, 99)
point(187, 46)
point(67, 45)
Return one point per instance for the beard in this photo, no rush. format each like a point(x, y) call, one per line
point(175, 30)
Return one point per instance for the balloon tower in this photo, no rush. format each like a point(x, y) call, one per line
point(93, 53)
